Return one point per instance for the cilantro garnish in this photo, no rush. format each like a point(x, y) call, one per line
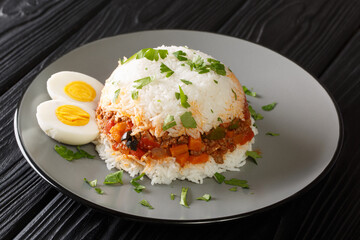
point(134, 95)
point(138, 187)
point(166, 69)
point(269, 107)
point(180, 55)
point(198, 65)
point(183, 99)
point(237, 182)
point(172, 196)
point(140, 83)
point(91, 183)
point(99, 191)
point(116, 95)
point(149, 53)
point(70, 155)
point(256, 116)
point(219, 119)
point(187, 120)
point(205, 197)
point(177, 95)
point(216, 81)
point(114, 178)
point(234, 94)
point(233, 189)
point(219, 177)
point(249, 92)
point(183, 200)
point(123, 60)
point(253, 155)
point(146, 204)
point(272, 134)
point(185, 81)
point(169, 122)
point(211, 111)
point(216, 66)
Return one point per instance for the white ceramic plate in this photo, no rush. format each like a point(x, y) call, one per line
point(306, 118)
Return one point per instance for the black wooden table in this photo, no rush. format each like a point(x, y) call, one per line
point(322, 36)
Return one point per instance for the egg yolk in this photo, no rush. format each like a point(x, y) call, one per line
point(72, 115)
point(80, 91)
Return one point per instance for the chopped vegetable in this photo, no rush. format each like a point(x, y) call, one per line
point(183, 200)
point(169, 122)
point(234, 124)
point(233, 189)
point(256, 116)
point(202, 158)
point(187, 120)
point(216, 66)
point(249, 92)
point(177, 95)
point(205, 197)
point(114, 178)
point(253, 155)
point(172, 196)
point(134, 95)
point(211, 111)
point(182, 158)
point(216, 81)
point(186, 82)
point(219, 177)
point(195, 144)
point(138, 187)
point(272, 134)
point(166, 69)
point(116, 95)
point(216, 133)
point(237, 182)
point(146, 204)
point(198, 65)
point(183, 99)
point(140, 83)
point(269, 107)
point(91, 183)
point(180, 55)
point(178, 149)
point(99, 191)
point(234, 94)
point(70, 155)
point(149, 53)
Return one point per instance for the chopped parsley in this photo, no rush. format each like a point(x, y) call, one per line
point(138, 187)
point(216, 66)
point(183, 200)
point(70, 155)
point(166, 69)
point(187, 120)
point(205, 197)
point(180, 55)
point(269, 107)
point(177, 95)
point(211, 111)
point(272, 134)
point(135, 95)
point(216, 81)
point(172, 196)
point(140, 83)
point(91, 183)
point(114, 178)
point(123, 60)
point(185, 81)
point(249, 92)
point(256, 116)
point(146, 204)
point(198, 65)
point(116, 95)
point(183, 99)
point(253, 156)
point(219, 177)
point(219, 119)
point(169, 122)
point(150, 54)
point(233, 189)
point(234, 94)
point(182, 64)
point(237, 182)
point(99, 191)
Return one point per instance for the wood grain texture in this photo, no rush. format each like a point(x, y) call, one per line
point(312, 33)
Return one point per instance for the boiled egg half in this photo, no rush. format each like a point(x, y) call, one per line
point(67, 121)
point(75, 87)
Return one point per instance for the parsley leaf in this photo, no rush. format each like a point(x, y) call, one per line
point(183, 99)
point(122, 61)
point(149, 53)
point(216, 81)
point(99, 191)
point(138, 187)
point(114, 178)
point(140, 83)
point(70, 155)
point(233, 189)
point(146, 204)
point(116, 95)
point(187, 120)
point(166, 69)
point(169, 122)
point(237, 182)
point(234, 94)
point(135, 95)
point(269, 107)
point(249, 92)
point(256, 116)
point(198, 65)
point(272, 134)
point(205, 197)
point(219, 177)
point(185, 81)
point(177, 95)
point(180, 55)
point(216, 66)
point(183, 200)
point(92, 183)
point(172, 196)
point(253, 156)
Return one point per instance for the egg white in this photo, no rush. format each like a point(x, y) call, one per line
point(58, 81)
point(54, 128)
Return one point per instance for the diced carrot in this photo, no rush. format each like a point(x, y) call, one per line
point(178, 149)
point(239, 139)
point(229, 134)
point(195, 144)
point(182, 158)
point(202, 158)
point(118, 130)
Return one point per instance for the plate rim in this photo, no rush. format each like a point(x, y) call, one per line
point(96, 206)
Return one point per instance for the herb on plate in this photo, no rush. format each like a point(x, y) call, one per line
point(169, 122)
point(91, 183)
point(180, 55)
point(249, 92)
point(186, 82)
point(172, 196)
point(219, 177)
point(255, 115)
point(140, 83)
point(237, 182)
point(187, 120)
point(70, 155)
point(206, 197)
point(166, 69)
point(269, 107)
point(114, 178)
point(272, 134)
point(146, 204)
point(138, 187)
point(183, 98)
point(253, 155)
